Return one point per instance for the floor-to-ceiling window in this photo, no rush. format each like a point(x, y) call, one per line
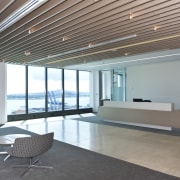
point(16, 89)
point(43, 92)
point(36, 89)
point(84, 92)
point(70, 89)
point(54, 77)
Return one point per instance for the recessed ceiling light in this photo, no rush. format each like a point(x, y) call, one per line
point(27, 53)
point(131, 15)
point(65, 38)
point(156, 28)
point(87, 47)
point(90, 44)
point(31, 30)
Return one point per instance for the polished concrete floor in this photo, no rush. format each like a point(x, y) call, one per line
point(156, 151)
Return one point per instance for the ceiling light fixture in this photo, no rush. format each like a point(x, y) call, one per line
point(156, 28)
point(27, 53)
point(90, 44)
point(131, 15)
point(121, 47)
point(20, 13)
point(85, 48)
point(136, 60)
point(31, 30)
point(65, 38)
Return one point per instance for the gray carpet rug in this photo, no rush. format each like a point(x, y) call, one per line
point(73, 163)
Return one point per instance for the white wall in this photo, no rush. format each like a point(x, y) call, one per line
point(3, 90)
point(158, 82)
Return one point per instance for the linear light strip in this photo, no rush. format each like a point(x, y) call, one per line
point(20, 13)
point(84, 48)
point(121, 47)
point(14, 17)
point(136, 60)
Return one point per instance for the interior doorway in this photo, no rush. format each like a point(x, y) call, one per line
point(112, 85)
point(118, 85)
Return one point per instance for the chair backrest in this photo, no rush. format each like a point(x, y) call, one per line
point(32, 146)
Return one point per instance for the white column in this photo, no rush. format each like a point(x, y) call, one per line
point(3, 92)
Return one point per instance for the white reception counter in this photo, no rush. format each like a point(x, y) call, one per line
point(147, 114)
point(141, 105)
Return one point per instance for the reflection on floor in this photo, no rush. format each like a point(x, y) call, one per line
point(156, 151)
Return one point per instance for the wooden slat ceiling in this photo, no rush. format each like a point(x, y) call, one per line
point(102, 24)
point(4, 5)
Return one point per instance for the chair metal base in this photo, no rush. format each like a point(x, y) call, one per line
point(7, 157)
point(31, 165)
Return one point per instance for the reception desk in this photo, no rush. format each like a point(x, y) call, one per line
point(141, 114)
point(141, 105)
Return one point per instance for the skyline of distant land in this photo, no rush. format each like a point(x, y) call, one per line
point(40, 95)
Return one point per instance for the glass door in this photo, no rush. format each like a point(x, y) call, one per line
point(118, 85)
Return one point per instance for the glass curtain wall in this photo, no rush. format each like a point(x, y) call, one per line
point(70, 89)
point(84, 92)
point(16, 94)
point(36, 89)
point(54, 77)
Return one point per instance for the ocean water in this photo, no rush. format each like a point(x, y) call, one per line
point(17, 106)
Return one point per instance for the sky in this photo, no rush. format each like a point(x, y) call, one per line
point(16, 79)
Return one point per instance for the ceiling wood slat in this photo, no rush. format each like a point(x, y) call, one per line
point(110, 26)
point(88, 21)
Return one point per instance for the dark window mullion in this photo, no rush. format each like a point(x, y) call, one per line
point(62, 89)
point(46, 90)
point(26, 91)
point(77, 88)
